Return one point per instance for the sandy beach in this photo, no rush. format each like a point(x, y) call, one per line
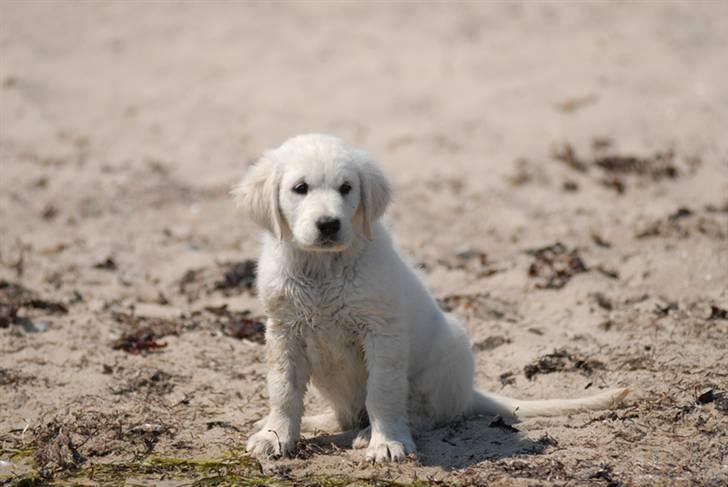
point(561, 181)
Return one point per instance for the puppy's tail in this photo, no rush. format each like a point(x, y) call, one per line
point(515, 409)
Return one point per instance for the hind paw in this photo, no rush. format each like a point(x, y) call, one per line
point(362, 438)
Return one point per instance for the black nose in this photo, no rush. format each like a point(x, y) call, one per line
point(328, 226)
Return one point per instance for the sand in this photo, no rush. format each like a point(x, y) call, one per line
point(504, 127)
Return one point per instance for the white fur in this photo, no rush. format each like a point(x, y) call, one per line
point(353, 318)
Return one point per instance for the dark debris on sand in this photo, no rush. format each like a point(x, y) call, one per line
point(15, 297)
point(10, 377)
point(491, 343)
point(562, 360)
point(229, 278)
point(238, 276)
point(56, 450)
point(684, 222)
point(566, 154)
point(144, 333)
point(717, 313)
point(107, 264)
point(239, 324)
point(616, 168)
point(479, 305)
point(69, 440)
point(717, 398)
point(147, 382)
point(658, 166)
point(555, 265)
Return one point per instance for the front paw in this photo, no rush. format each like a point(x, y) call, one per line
point(268, 443)
point(384, 451)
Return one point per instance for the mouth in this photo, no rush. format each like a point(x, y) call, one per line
point(327, 245)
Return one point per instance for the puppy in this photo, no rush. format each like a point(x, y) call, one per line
point(349, 315)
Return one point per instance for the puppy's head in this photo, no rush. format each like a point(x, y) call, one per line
point(316, 192)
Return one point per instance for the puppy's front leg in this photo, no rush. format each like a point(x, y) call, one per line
point(287, 379)
point(386, 402)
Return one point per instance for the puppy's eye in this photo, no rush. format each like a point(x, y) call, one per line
point(301, 188)
point(344, 189)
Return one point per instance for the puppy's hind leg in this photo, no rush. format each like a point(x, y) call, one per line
point(327, 422)
point(361, 440)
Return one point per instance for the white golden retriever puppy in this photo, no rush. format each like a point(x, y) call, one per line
point(348, 314)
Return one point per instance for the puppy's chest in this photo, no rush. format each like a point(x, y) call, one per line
point(324, 306)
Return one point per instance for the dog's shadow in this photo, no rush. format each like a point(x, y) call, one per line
point(453, 446)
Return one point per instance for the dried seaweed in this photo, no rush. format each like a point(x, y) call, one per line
point(658, 166)
point(616, 168)
point(14, 297)
point(562, 361)
point(10, 377)
point(683, 223)
point(67, 441)
point(479, 305)
point(603, 301)
point(566, 154)
point(238, 324)
point(107, 264)
point(147, 381)
point(229, 278)
point(718, 398)
point(491, 343)
point(555, 265)
point(145, 333)
point(57, 450)
point(238, 275)
point(600, 241)
point(138, 341)
point(717, 313)
point(507, 378)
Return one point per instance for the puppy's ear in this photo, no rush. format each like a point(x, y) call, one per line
point(257, 195)
point(375, 192)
